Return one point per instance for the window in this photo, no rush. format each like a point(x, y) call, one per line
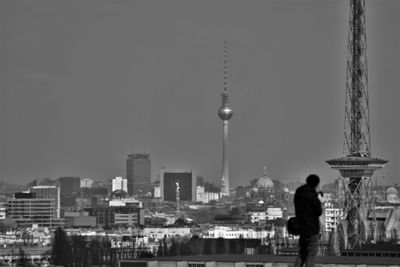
point(254, 265)
point(196, 264)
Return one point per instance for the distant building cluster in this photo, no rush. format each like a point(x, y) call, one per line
point(178, 206)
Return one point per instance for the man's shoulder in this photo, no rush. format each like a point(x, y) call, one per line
point(301, 188)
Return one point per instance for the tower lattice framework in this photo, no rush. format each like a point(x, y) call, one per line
point(357, 166)
point(357, 136)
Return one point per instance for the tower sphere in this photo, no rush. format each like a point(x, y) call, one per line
point(225, 113)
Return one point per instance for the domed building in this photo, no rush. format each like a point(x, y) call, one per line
point(286, 190)
point(265, 187)
point(264, 182)
point(392, 195)
point(286, 194)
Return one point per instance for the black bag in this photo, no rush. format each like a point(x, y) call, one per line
point(293, 226)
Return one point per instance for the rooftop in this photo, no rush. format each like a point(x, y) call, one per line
point(320, 260)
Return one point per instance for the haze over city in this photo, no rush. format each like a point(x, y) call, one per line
point(84, 83)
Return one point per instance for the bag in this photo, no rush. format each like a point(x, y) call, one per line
point(293, 226)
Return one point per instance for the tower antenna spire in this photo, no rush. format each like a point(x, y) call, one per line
point(225, 67)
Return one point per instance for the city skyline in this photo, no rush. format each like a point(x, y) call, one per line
point(86, 83)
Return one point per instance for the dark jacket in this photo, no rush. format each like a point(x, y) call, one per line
point(308, 209)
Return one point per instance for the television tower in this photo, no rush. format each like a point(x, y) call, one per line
point(356, 166)
point(177, 197)
point(225, 113)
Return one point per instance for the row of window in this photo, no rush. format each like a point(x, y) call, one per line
point(203, 264)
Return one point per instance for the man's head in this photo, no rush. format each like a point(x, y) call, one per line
point(313, 180)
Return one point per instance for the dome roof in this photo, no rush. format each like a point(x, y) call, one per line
point(286, 190)
point(264, 182)
point(392, 190)
point(392, 195)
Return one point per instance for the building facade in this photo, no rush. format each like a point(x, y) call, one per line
point(50, 192)
point(29, 211)
point(69, 189)
point(138, 173)
point(86, 183)
point(185, 179)
point(119, 183)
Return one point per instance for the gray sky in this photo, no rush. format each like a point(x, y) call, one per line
point(83, 83)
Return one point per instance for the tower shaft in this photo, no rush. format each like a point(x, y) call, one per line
point(225, 162)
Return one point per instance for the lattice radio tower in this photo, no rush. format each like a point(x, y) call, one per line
point(357, 166)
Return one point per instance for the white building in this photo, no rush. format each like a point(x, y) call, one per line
point(332, 216)
point(119, 183)
point(160, 233)
point(125, 202)
point(157, 192)
point(231, 233)
point(3, 211)
point(200, 194)
point(257, 216)
point(205, 197)
point(274, 213)
point(86, 183)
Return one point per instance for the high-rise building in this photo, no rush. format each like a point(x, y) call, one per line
point(69, 189)
point(49, 192)
point(118, 183)
point(138, 173)
point(69, 185)
point(170, 179)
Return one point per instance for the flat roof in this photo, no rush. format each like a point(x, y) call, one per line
point(276, 259)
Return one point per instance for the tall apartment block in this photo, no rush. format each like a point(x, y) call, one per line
point(69, 189)
point(138, 173)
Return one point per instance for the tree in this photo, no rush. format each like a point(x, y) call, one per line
point(173, 248)
point(160, 250)
point(207, 249)
point(61, 250)
point(80, 252)
point(165, 246)
point(220, 249)
point(22, 258)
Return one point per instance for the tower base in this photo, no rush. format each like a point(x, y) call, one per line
point(358, 199)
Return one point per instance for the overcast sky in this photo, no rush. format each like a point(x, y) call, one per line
point(84, 83)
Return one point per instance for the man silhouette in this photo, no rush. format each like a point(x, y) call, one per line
point(308, 209)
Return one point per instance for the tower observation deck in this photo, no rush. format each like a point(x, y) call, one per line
point(357, 166)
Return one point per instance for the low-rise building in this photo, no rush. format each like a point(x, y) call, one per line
point(257, 216)
point(274, 213)
point(26, 211)
point(160, 233)
point(234, 233)
point(332, 216)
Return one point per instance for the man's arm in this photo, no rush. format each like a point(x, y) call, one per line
point(317, 206)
